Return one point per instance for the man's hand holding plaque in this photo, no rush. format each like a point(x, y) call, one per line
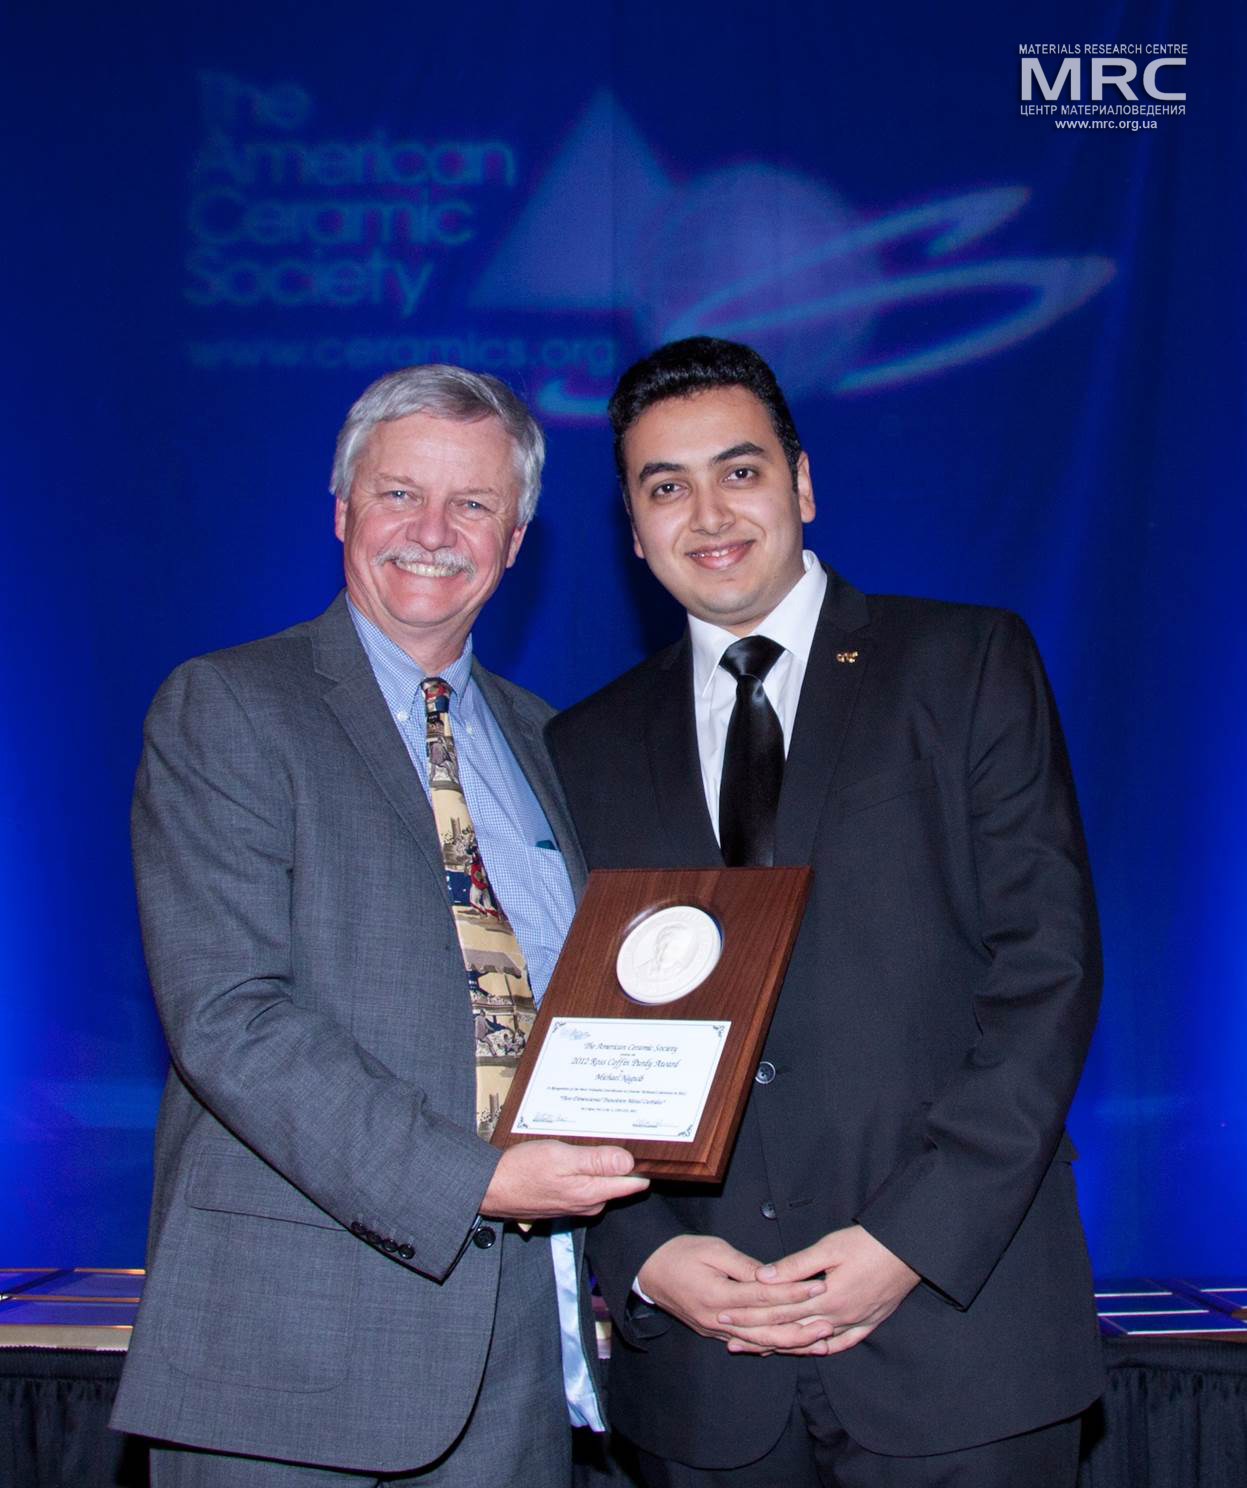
point(546, 1180)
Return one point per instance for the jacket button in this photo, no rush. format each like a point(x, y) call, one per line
point(406, 1253)
point(357, 1228)
point(765, 1073)
point(483, 1238)
point(389, 1246)
point(768, 1210)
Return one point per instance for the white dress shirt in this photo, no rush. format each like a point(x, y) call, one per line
point(791, 625)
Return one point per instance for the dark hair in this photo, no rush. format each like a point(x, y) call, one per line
point(693, 365)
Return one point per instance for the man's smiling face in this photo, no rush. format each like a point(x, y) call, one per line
point(714, 510)
point(429, 529)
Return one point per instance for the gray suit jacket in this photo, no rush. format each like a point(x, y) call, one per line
point(311, 1294)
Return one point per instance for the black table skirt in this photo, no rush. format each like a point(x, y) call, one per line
point(1174, 1413)
point(54, 1406)
point(1174, 1416)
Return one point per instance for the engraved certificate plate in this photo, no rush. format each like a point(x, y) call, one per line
point(622, 1077)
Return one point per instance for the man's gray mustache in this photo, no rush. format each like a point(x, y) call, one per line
point(438, 558)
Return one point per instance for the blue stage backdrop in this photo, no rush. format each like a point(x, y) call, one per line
point(1014, 344)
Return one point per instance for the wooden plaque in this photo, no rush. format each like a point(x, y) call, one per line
point(757, 912)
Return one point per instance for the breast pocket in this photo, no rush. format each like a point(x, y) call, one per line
point(887, 785)
point(259, 1289)
point(539, 903)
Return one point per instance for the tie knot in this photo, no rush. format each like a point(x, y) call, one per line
point(436, 694)
point(751, 656)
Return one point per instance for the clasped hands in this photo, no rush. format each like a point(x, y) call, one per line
point(821, 1300)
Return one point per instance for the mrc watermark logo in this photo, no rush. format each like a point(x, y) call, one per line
point(1094, 85)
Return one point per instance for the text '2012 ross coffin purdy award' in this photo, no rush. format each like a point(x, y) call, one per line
point(649, 1033)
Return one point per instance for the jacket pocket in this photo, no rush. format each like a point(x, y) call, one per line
point(253, 1285)
point(232, 1180)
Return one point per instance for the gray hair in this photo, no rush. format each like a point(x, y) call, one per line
point(445, 392)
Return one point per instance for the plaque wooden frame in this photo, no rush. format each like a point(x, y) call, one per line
point(758, 911)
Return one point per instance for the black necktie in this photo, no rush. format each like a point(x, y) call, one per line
point(753, 759)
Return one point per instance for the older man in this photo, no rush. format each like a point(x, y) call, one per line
point(355, 871)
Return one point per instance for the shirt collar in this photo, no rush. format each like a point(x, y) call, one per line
point(398, 676)
point(791, 624)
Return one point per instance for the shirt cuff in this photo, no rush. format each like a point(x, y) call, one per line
point(636, 1287)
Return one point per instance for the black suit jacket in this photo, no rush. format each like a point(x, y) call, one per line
point(927, 1041)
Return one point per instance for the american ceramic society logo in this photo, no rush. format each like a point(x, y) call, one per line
point(357, 254)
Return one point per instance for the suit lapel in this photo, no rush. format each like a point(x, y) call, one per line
point(524, 735)
point(828, 694)
point(356, 701)
point(671, 740)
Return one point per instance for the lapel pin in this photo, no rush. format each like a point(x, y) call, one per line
point(849, 656)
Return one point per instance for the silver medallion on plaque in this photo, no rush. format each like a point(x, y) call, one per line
point(668, 954)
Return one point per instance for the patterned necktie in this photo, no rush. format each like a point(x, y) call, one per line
point(502, 1000)
point(753, 758)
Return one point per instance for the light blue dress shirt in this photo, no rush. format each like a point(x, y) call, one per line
point(527, 874)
